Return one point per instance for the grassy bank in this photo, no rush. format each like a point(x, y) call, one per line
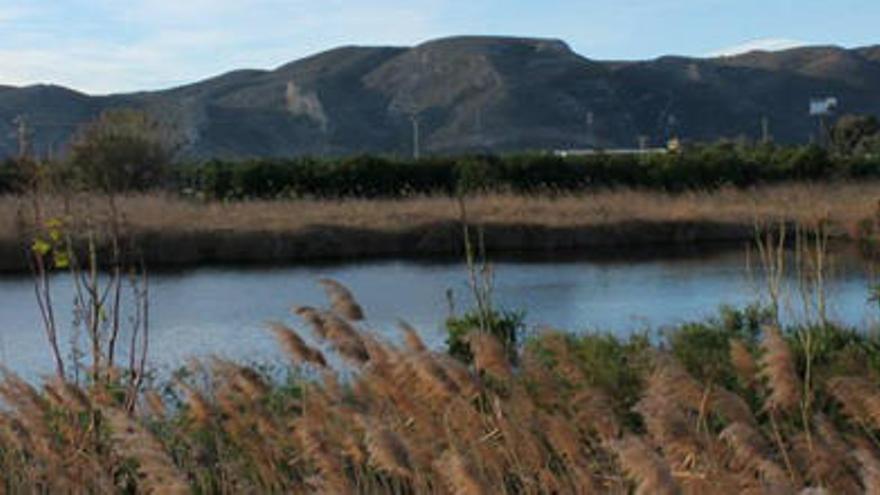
point(174, 231)
point(731, 405)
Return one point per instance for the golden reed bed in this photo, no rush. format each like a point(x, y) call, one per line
point(172, 231)
point(843, 203)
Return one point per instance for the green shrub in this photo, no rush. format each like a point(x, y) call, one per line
point(506, 326)
point(122, 150)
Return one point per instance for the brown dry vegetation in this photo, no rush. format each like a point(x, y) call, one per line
point(843, 203)
point(413, 421)
point(172, 231)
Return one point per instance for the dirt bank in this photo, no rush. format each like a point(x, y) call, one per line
point(171, 249)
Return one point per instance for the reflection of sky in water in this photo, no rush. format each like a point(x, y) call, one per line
point(223, 311)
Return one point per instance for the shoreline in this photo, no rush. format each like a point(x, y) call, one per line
point(445, 240)
point(174, 232)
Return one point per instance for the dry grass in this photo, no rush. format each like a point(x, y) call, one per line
point(408, 420)
point(844, 203)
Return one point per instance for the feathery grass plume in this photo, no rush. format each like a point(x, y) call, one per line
point(752, 452)
point(743, 362)
point(591, 410)
point(341, 300)
point(157, 471)
point(199, 409)
point(345, 339)
point(295, 347)
point(561, 436)
point(777, 366)
point(834, 442)
point(67, 395)
point(389, 452)
point(670, 428)
point(154, 404)
point(489, 354)
point(869, 470)
point(249, 383)
point(314, 318)
point(670, 379)
point(324, 456)
point(467, 384)
point(544, 382)
point(354, 449)
point(644, 466)
point(859, 398)
point(821, 464)
point(433, 377)
point(829, 434)
point(459, 474)
point(411, 337)
point(729, 406)
point(564, 362)
point(31, 413)
point(380, 354)
point(548, 482)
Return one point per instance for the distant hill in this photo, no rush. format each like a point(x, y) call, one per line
point(475, 94)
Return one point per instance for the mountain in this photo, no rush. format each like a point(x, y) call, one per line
point(474, 94)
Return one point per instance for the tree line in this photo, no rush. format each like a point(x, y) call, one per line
point(127, 150)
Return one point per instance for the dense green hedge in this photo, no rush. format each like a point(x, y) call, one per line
point(369, 176)
point(699, 167)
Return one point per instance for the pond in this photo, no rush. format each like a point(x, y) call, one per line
point(223, 311)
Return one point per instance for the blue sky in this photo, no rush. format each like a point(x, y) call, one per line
point(103, 46)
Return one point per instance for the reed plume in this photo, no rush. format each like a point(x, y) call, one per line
point(489, 354)
point(341, 300)
point(345, 339)
point(859, 398)
point(869, 469)
point(459, 475)
point(751, 451)
point(388, 452)
point(157, 471)
point(743, 362)
point(313, 318)
point(645, 467)
point(296, 348)
point(411, 338)
point(777, 366)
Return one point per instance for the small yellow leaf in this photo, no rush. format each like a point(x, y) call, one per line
point(41, 247)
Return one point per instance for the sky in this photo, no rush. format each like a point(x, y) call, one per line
point(107, 46)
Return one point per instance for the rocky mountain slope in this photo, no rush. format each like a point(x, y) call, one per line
point(474, 94)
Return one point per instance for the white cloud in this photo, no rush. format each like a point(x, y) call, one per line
point(764, 44)
point(104, 46)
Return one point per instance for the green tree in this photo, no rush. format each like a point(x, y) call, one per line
point(855, 134)
point(122, 150)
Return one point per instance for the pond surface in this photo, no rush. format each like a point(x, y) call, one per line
point(223, 311)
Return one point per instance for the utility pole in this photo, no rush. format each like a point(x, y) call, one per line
point(765, 130)
point(23, 134)
point(591, 134)
point(414, 118)
point(478, 122)
point(671, 127)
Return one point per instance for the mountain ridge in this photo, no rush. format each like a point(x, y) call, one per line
point(473, 93)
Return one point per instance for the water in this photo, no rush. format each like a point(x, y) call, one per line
point(223, 311)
